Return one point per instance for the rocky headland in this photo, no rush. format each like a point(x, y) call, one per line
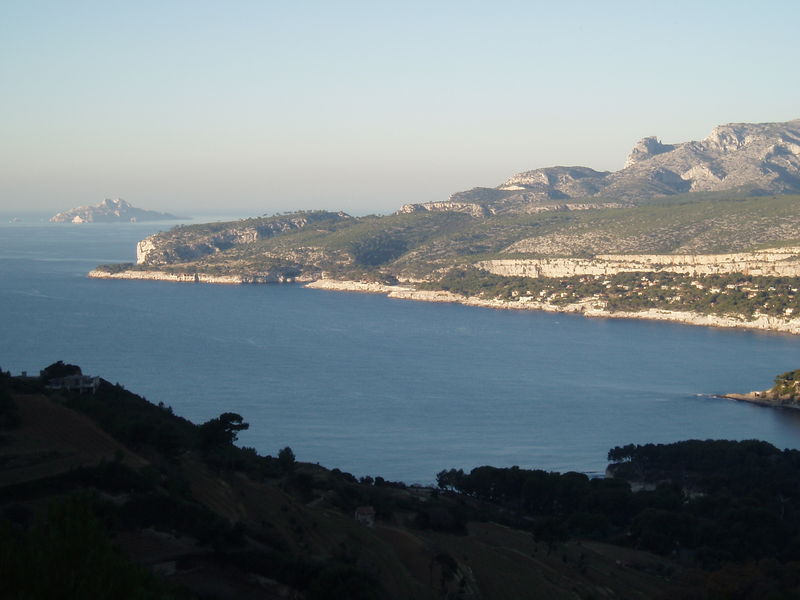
point(703, 232)
point(784, 394)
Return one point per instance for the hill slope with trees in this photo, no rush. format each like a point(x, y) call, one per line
point(107, 494)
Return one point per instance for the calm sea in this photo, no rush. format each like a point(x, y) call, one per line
point(378, 386)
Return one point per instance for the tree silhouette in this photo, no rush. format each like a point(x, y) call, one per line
point(221, 431)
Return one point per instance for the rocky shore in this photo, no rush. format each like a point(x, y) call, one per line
point(764, 398)
point(187, 277)
point(588, 309)
point(408, 292)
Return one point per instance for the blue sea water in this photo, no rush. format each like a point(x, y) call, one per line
point(379, 386)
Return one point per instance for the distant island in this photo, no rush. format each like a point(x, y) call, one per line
point(110, 210)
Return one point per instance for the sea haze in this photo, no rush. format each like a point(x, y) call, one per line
point(378, 386)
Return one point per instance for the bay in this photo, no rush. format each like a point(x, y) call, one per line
point(378, 386)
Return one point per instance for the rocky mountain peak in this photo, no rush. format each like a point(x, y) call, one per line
point(550, 177)
point(115, 204)
point(647, 148)
point(728, 138)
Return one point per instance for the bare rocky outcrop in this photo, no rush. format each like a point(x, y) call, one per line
point(475, 210)
point(184, 244)
point(557, 182)
point(151, 251)
point(647, 148)
point(781, 262)
point(760, 158)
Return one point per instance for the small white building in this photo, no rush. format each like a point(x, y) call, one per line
point(75, 383)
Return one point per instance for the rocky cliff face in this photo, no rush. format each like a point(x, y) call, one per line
point(647, 148)
point(476, 210)
point(110, 211)
point(760, 158)
point(184, 244)
point(783, 262)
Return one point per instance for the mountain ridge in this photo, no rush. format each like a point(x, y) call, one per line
point(756, 158)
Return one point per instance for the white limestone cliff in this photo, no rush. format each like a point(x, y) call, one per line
point(783, 262)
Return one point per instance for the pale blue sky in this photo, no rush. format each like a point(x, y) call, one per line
point(257, 107)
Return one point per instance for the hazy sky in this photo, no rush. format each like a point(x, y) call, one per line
point(258, 106)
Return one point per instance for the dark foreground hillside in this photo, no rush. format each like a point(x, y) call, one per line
point(103, 495)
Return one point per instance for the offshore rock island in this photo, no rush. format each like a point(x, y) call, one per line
point(110, 210)
point(703, 232)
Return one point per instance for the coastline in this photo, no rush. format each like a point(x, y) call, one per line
point(407, 292)
point(187, 277)
point(587, 309)
point(762, 399)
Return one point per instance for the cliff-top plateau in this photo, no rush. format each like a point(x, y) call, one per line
point(704, 231)
point(110, 211)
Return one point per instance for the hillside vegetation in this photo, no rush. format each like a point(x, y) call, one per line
point(734, 191)
point(107, 495)
point(418, 245)
point(455, 251)
point(788, 385)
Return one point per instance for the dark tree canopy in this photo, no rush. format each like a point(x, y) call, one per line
point(222, 430)
point(286, 459)
point(60, 369)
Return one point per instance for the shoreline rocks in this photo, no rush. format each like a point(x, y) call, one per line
point(587, 309)
point(765, 398)
point(191, 277)
point(407, 292)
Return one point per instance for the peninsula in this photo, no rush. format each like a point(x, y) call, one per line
point(703, 232)
point(110, 211)
point(784, 394)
